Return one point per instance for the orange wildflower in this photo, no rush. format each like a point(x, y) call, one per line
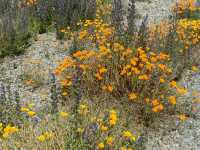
point(155, 102)
point(182, 117)
point(132, 96)
point(172, 100)
point(143, 77)
point(158, 108)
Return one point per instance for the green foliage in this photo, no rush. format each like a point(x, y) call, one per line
point(9, 106)
point(18, 25)
point(14, 46)
point(15, 27)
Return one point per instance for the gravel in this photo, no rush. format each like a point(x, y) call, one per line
point(37, 63)
point(44, 54)
point(156, 10)
point(174, 134)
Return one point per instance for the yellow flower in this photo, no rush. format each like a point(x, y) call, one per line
point(127, 134)
point(64, 93)
point(102, 70)
point(48, 135)
point(133, 61)
point(109, 140)
point(194, 68)
point(123, 148)
point(133, 138)
point(82, 34)
point(132, 96)
point(31, 105)
point(66, 83)
point(173, 84)
point(41, 138)
point(8, 130)
point(182, 91)
point(162, 80)
point(104, 128)
point(182, 117)
point(172, 100)
point(112, 122)
point(84, 67)
point(101, 145)
point(162, 66)
point(31, 113)
point(24, 109)
point(153, 59)
point(80, 130)
point(83, 109)
point(158, 108)
point(64, 114)
point(143, 77)
point(1, 126)
point(135, 70)
point(112, 118)
point(150, 66)
point(169, 70)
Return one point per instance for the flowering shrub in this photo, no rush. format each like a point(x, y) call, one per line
point(21, 19)
point(178, 36)
point(30, 2)
point(188, 31)
point(187, 8)
point(8, 130)
point(15, 26)
point(91, 131)
point(110, 69)
point(103, 82)
point(185, 35)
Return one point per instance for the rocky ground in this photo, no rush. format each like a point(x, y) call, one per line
point(156, 10)
point(30, 74)
point(173, 134)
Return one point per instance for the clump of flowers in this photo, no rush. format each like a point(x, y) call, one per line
point(185, 6)
point(129, 136)
point(112, 118)
point(162, 28)
point(8, 130)
point(45, 136)
point(30, 2)
point(83, 109)
point(101, 145)
point(28, 111)
point(64, 114)
point(108, 68)
point(188, 31)
point(95, 31)
point(104, 8)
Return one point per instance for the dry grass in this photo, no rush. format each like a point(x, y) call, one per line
point(110, 90)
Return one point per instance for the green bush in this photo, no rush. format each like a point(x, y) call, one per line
point(15, 31)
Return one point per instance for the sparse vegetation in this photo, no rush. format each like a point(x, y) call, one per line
point(117, 80)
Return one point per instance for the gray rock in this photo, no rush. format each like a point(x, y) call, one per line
point(2, 92)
